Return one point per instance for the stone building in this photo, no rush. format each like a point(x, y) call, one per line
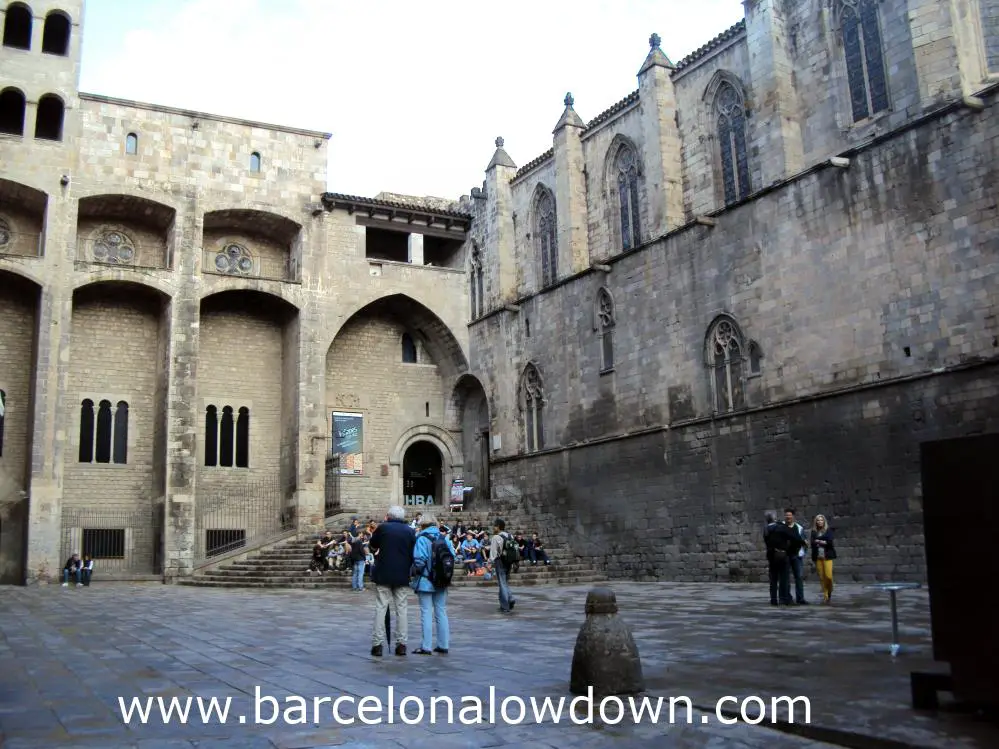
point(192, 327)
point(760, 279)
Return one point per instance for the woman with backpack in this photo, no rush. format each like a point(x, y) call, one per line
point(433, 567)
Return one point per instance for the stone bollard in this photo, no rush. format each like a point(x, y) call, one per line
point(606, 657)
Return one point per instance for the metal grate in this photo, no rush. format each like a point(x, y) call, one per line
point(332, 504)
point(235, 516)
point(119, 541)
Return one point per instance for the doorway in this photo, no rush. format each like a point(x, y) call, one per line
point(422, 475)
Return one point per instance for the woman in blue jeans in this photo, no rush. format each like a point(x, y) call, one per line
point(433, 600)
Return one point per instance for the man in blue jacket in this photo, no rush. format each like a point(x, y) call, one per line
point(392, 544)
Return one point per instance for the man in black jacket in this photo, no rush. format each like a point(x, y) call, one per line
point(781, 543)
point(392, 543)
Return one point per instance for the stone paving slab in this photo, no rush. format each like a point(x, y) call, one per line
point(67, 655)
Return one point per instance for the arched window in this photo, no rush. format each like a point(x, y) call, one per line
point(626, 168)
point(408, 349)
point(545, 226)
point(105, 428)
point(87, 431)
point(17, 26)
point(725, 360)
point(12, 106)
point(3, 416)
point(121, 433)
point(603, 324)
point(254, 162)
point(475, 284)
point(243, 438)
point(48, 125)
point(55, 38)
point(211, 436)
point(226, 438)
point(865, 67)
point(731, 113)
point(534, 402)
point(131, 144)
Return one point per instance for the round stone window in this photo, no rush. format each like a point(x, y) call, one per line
point(114, 247)
point(234, 259)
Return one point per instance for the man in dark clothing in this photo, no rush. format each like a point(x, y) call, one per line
point(780, 542)
point(392, 543)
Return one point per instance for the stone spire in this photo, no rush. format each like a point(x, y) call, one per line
point(501, 157)
point(569, 116)
point(656, 58)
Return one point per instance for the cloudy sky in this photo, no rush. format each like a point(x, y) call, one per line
point(414, 93)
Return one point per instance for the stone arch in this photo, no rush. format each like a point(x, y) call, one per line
point(17, 26)
point(18, 270)
point(123, 277)
point(626, 212)
point(147, 223)
point(274, 219)
point(251, 286)
point(544, 233)
point(725, 359)
point(13, 107)
point(720, 79)
point(268, 242)
point(22, 209)
point(723, 317)
point(471, 420)
point(451, 458)
point(726, 119)
point(432, 332)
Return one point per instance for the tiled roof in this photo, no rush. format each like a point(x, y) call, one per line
point(710, 46)
point(535, 162)
point(611, 111)
point(357, 201)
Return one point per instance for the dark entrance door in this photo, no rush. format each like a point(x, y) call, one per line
point(422, 475)
point(960, 510)
point(482, 490)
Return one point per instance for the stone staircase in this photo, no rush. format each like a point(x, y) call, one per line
point(284, 565)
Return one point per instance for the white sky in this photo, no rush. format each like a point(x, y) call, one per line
point(414, 93)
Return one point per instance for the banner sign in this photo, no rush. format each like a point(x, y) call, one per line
point(348, 441)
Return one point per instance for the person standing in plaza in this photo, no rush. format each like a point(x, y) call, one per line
point(432, 576)
point(393, 542)
point(823, 554)
point(779, 540)
point(797, 556)
point(358, 555)
point(503, 554)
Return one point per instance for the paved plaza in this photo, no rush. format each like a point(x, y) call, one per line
point(67, 655)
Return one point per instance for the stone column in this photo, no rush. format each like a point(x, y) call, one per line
point(416, 249)
point(570, 192)
point(314, 438)
point(183, 407)
point(936, 53)
point(662, 152)
point(775, 130)
point(51, 407)
point(498, 258)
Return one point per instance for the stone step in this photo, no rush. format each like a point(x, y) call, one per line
point(317, 584)
point(251, 576)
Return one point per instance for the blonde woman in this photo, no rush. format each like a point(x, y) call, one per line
point(823, 554)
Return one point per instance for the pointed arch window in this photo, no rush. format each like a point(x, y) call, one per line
point(864, 55)
point(475, 289)
point(104, 433)
point(725, 360)
point(731, 116)
point(534, 404)
point(408, 349)
point(545, 231)
point(603, 323)
point(626, 167)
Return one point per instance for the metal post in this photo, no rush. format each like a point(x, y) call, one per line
point(895, 647)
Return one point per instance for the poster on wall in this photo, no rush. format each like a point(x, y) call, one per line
point(348, 441)
point(457, 492)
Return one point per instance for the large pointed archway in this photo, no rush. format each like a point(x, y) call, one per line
point(389, 378)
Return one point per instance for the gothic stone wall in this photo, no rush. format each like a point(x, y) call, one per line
point(884, 271)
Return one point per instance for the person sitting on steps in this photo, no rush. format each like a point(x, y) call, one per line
point(72, 567)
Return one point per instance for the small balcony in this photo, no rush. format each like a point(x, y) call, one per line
point(252, 244)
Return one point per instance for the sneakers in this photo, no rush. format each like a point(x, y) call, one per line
point(79, 585)
point(65, 585)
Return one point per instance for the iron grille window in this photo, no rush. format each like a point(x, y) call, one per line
point(220, 541)
point(104, 543)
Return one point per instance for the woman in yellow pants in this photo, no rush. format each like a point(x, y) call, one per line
point(823, 554)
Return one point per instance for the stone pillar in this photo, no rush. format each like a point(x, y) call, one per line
point(498, 259)
point(605, 660)
point(183, 407)
point(662, 151)
point(774, 129)
point(416, 249)
point(51, 405)
point(570, 193)
point(935, 48)
point(314, 437)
